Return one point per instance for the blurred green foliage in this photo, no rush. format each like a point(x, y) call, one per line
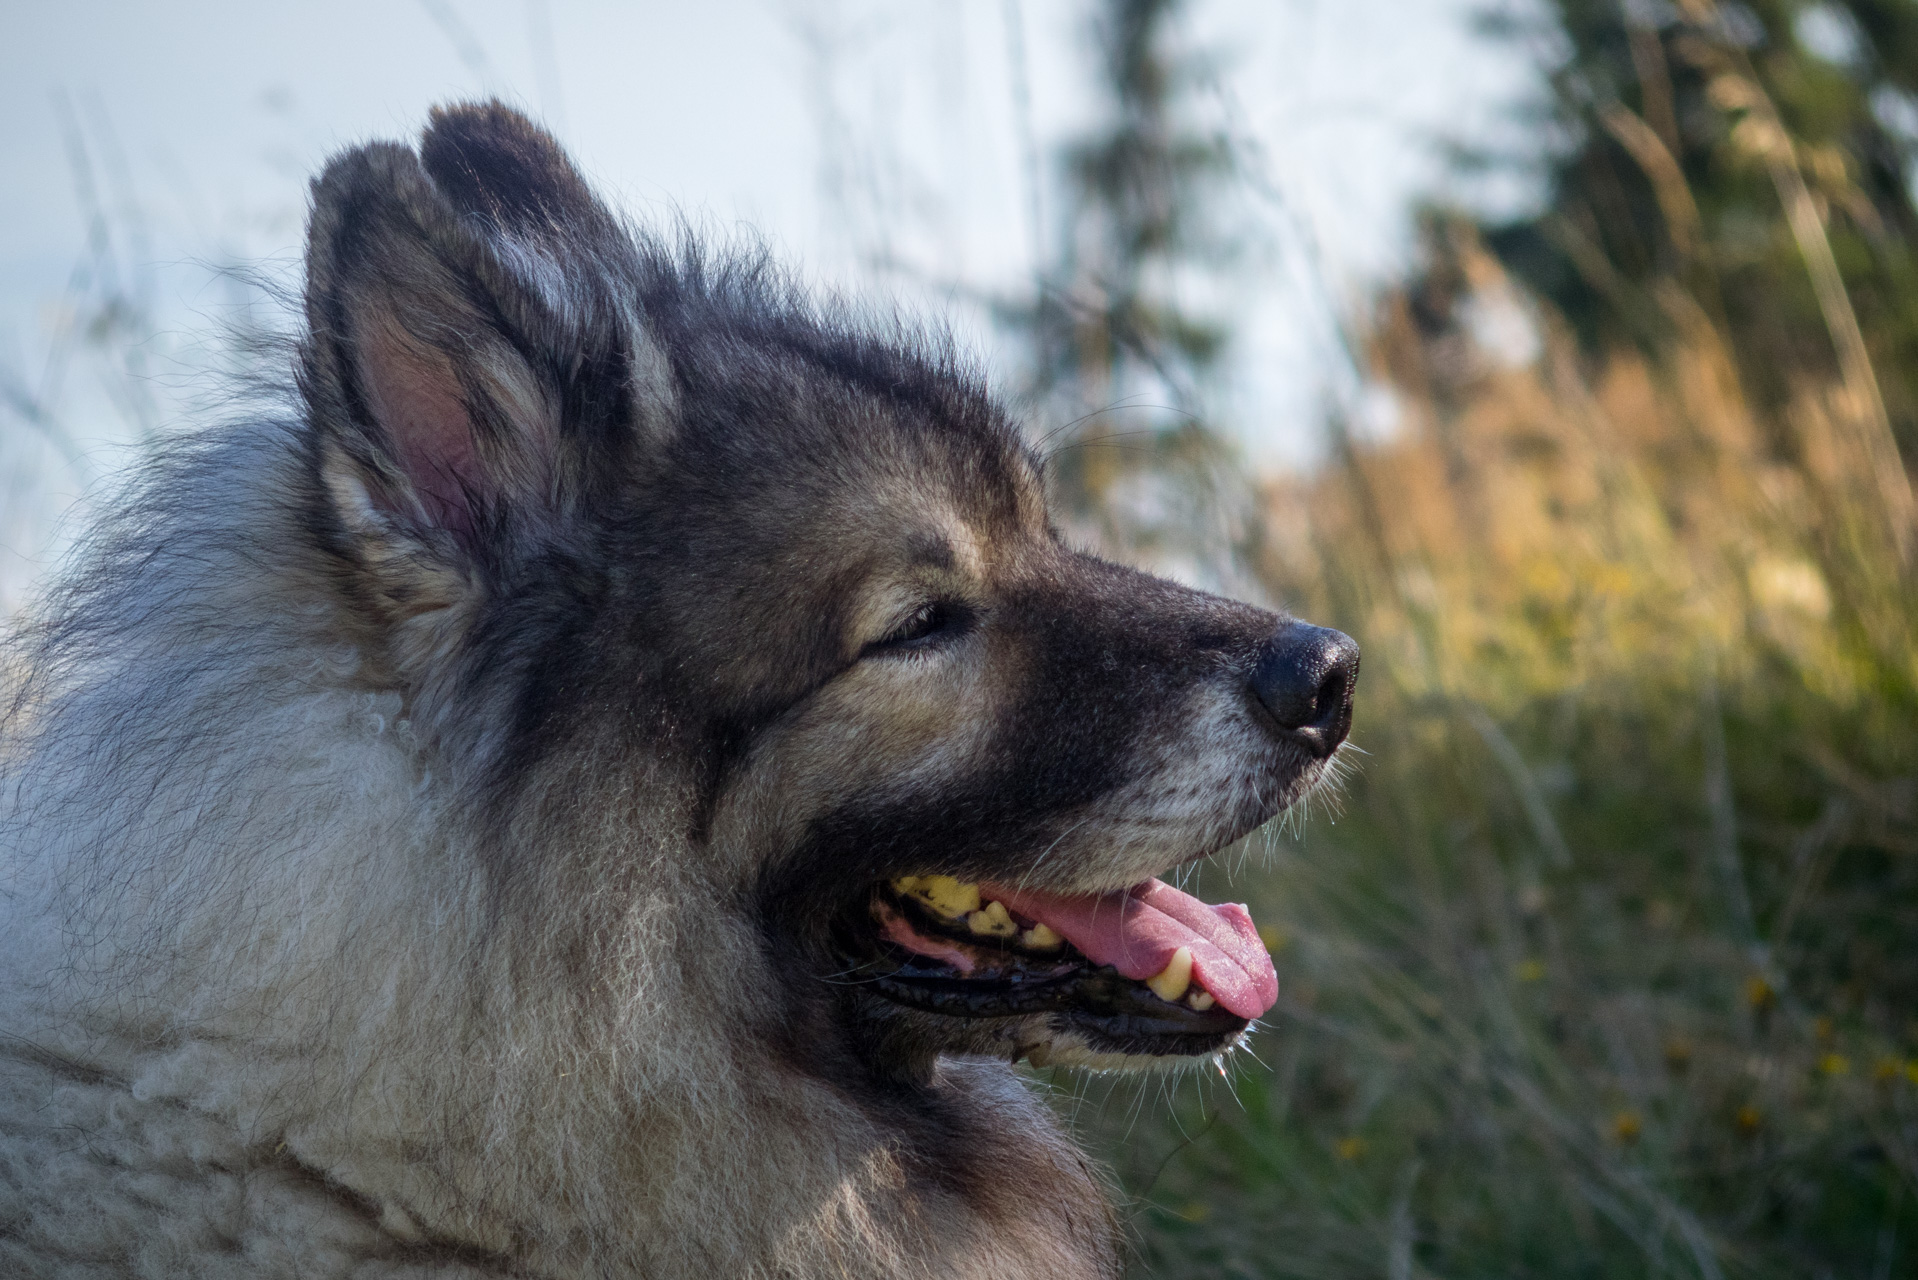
point(1607, 962)
point(1671, 116)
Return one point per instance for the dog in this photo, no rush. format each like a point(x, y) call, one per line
point(605, 778)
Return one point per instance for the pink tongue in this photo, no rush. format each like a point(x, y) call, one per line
point(1137, 930)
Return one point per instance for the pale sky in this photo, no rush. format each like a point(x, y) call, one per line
point(846, 132)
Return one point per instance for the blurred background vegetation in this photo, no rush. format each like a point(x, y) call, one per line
point(1605, 961)
point(1607, 964)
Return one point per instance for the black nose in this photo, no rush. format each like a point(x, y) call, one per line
point(1304, 681)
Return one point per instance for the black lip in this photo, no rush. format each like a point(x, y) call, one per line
point(1097, 1000)
point(1098, 994)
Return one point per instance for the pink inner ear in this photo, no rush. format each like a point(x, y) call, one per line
point(416, 400)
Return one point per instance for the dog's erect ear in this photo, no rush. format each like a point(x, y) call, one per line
point(493, 163)
point(470, 355)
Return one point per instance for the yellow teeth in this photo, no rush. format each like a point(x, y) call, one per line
point(1170, 983)
point(992, 921)
point(955, 900)
point(1200, 1000)
point(1040, 938)
point(946, 896)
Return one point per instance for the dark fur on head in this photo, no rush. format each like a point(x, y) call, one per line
point(456, 837)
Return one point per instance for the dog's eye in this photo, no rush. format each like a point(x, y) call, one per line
point(925, 626)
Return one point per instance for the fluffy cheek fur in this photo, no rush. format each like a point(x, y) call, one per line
point(913, 725)
point(405, 1063)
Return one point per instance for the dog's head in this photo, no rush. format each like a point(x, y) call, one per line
point(656, 550)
